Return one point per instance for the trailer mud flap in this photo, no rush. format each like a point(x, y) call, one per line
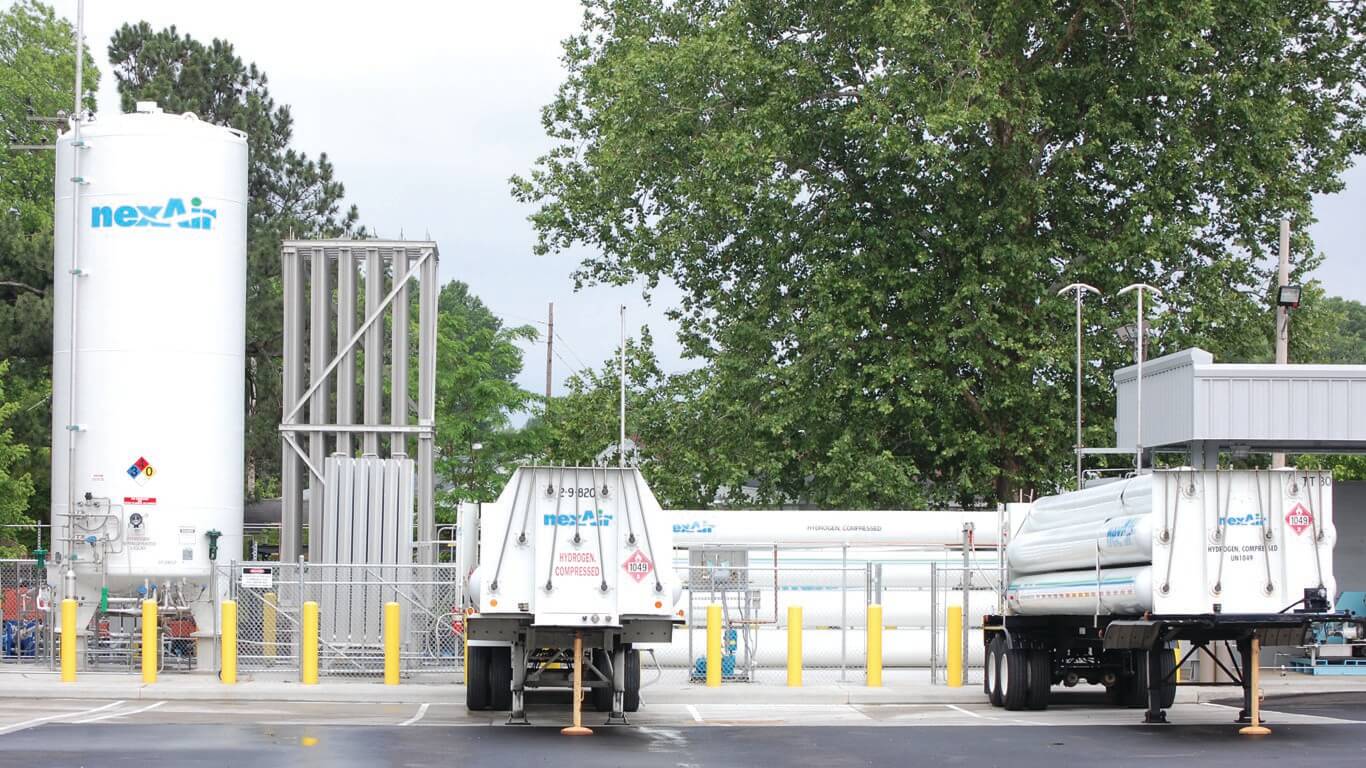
point(1132, 635)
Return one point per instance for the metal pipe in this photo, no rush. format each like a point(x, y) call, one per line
point(621, 442)
point(320, 305)
point(428, 288)
point(398, 351)
point(346, 326)
point(75, 273)
point(291, 480)
point(374, 362)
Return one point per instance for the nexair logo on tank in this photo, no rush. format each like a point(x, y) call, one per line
point(588, 517)
point(173, 212)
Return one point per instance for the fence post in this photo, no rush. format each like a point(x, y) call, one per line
point(69, 640)
point(954, 625)
point(308, 662)
point(874, 634)
point(794, 646)
point(391, 643)
point(149, 641)
point(714, 646)
point(228, 665)
point(268, 624)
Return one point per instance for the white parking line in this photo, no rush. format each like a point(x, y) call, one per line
point(957, 708)
point(421, 712)
point(111, 715)
point(39, 720)
point(696, 716)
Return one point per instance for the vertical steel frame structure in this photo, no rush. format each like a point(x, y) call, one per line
point(327, 285)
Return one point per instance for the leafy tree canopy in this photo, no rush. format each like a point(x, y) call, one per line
point(869, 207)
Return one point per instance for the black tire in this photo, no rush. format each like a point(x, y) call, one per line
point(477, 677)
point(1040, 679)
point(632, 697)
point(1136, 685)
point(601, 697)
point(500, 679)
point(1015, 679)
point(993, 671)
point(1168, 677)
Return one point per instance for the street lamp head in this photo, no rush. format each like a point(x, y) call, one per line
point(1288, 296)
point(476, 446)
point(1128, 333)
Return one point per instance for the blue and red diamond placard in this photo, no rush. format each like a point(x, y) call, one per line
point(141, 471)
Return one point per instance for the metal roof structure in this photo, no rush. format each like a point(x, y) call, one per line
point(1190, 401)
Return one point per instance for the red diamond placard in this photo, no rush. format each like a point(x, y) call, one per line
point(1299, 518)
point(638, 566)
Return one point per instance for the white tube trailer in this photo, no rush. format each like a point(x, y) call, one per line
point(1103, 582)
point(566, 553)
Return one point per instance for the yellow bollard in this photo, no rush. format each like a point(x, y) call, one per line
point(1177, 651)
point(1254, 663)
point(874, 657)
point(69, 641)
point(149, 641)
point(794, 646)
point(713, 646)
point(228, 669)
point(268, 624)
point(955, 643)
point(308, 664)
point(391, 646)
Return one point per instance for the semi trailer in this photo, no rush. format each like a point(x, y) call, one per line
point(573, 569)
point(1102, 583)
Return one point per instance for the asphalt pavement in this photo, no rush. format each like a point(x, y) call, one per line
point(1319, 729)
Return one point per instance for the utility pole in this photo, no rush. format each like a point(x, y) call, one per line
point(1282, 317)
point(621, 440)
point(549, 349)
point(1140, 346)
point(1080, 289)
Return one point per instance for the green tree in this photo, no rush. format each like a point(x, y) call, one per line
point(674, 421)
point(477, 363)
point(869, 206)
point(37, 79)
point(289, 193)
point(1348, 342)
point(16, 485)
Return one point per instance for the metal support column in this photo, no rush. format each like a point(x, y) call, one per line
point(374, 351)
point(967, 591)
point(320, 311)
point(291, 474)
point(398, 352)
point(426, 408)
point(346, 328)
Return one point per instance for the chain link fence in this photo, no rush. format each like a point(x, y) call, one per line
point(25, 618)
point(350, 598)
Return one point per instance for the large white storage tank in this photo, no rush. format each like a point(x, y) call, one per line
point(159, 311)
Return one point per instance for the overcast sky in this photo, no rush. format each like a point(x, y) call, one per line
point(426, 109)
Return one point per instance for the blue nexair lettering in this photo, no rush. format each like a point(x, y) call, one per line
point(1120, 534)
point(588, 517)
point(174, 212)
point(696, 526)
point(1251, 518)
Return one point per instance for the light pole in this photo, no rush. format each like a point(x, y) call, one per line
point(1080, 290)
point(1139, 344)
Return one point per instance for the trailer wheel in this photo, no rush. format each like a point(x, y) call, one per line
point(477, 677)
point(602, 697)
point(1168, 677)
point(1015, 679)
point(632, 697)
point(1136, 685)
point(1040, 678)
point(993, 671)
point(500, 679)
